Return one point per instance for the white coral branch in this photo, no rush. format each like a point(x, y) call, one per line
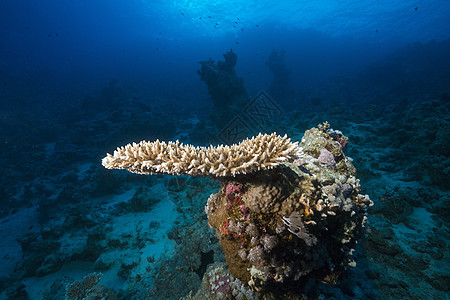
point(258, 153)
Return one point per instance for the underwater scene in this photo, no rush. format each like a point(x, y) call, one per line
point(228, 149)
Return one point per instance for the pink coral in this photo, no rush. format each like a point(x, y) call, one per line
point(338, 137)
point(342, 141)
point(232, 188)
point(245, 212)
point(326, 157)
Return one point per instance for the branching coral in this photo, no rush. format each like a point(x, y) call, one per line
point(258, 153)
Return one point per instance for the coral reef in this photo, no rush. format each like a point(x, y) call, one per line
point(227, 90)
point(282, 227)
point(258, 153)
point(224, 86)
point(280, 88)
point(286, 219)
point(62, 209)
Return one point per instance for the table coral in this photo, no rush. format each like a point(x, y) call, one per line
point(283, 219)
point(258, 153)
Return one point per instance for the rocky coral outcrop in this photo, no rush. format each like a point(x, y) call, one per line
point(226, 89)
point(282, 227)
point(224, 86)
point(279, 226)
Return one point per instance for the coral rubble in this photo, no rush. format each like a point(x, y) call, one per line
point(283, 215)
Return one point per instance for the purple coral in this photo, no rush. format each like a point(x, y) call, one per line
point(326, 157)
point(339, 137)
point(232, 188)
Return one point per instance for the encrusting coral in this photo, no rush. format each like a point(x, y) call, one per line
point(300, 221)
point(258, 153)
point(284, 216)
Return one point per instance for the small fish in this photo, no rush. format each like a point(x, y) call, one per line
point(199, 18)
point(257, 25)
point(237, 43)
point(209, 17)
point(217, 23)
point(238, 19)
point(182, 13)
point(242, 29)
point(235, 22)
point(376, 31)
point(49, 35)
point(416, 8)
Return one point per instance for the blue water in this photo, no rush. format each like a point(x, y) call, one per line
point(79, 78)
point(83, 44)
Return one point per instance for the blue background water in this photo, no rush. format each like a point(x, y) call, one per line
point(79, 78)
point(83, 44)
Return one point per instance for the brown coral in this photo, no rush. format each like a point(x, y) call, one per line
point(302, 220)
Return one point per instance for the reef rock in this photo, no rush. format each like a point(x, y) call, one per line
point(227, 90)
point(283, 226)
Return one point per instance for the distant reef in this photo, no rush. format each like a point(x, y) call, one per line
point(226, 89)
